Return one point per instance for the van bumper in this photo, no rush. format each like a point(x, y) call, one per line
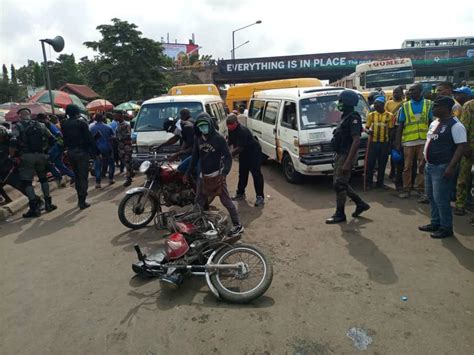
point(323, 164)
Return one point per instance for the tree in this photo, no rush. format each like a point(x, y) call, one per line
point(13, 75)
point(65, 70)
point(5, 73)
point(134, 62)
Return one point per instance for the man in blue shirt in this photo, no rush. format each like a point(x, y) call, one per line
point(103, 135)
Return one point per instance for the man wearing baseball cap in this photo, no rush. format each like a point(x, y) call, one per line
point(445, 145)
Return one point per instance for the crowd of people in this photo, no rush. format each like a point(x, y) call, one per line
point(429, 138)
point(37, 146)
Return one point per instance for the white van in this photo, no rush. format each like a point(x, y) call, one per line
point(148, 128)
point(295, 127)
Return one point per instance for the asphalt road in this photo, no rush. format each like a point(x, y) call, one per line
point(66, 284)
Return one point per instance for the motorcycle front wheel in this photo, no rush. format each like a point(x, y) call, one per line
point(242, 286)
point(135, 213)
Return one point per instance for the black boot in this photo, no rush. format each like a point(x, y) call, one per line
point(83, 204)
point(337, 217)
point(48, 204)
point(34, 211)
point(361, 207)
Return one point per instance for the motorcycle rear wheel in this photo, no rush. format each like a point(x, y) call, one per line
point(236, 287)
point(128, 214)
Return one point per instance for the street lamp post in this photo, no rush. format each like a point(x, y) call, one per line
point(58, 45)
point(233, 37)
point(241, 45)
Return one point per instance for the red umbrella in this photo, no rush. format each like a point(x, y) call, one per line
point(99, 105)
point(60, 98)
point(33, 106)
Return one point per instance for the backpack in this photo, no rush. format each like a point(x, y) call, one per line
point(34, 138)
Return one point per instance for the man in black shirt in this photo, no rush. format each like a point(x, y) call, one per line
point(80, 145)
point(211, 151)
point(445, 145)
point(184, 131)
point(346, 142)
point(250, 159)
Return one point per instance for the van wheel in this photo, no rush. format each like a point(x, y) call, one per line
point(292, 176)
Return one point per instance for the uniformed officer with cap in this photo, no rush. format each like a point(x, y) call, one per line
point(30, 140)
point(345, 143)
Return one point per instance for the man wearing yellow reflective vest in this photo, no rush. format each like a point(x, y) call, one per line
point(414, 119)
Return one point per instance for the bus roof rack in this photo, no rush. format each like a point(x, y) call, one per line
point(321, 89)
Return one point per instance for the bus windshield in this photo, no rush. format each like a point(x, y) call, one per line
point(153, 116)
point(322, 111)
point(389, 77)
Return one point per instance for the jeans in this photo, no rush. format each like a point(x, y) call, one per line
point(183, 166)
point(225, 200)
point(107, 161)
point(438, 191)
point(57, 168)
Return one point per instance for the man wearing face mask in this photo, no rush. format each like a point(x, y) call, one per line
point(215, 161)
point(250, 157)
point(345, 143)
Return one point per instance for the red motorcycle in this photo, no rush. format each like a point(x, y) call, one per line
point(200, 246)
point(164, 185)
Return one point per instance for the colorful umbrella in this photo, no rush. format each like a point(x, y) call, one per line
point(35, 108)
point(128, 106)
point(99, 105)
point(9, 105)
point(60, 99)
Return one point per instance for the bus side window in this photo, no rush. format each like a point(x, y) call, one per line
point(256, 109)
point(208, 110)
point(289, 116)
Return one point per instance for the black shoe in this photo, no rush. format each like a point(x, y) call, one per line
point(361, 207)
point(336, 218)
point(442, 233)
point(127, 182)
point(48, 205)
point(34, 211)
point(428, 228)
point(84, 205)
point(238, 197)
point(259, 202)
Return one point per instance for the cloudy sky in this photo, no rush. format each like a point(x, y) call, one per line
point(288, 28)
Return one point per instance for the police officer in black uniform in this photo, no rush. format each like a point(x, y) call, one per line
point(30, 141)
point(81, 146)
point(346, 142)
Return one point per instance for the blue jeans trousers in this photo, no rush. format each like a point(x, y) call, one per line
point(438, 190)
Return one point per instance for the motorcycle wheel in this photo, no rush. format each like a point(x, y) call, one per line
point(128, 214)
point(235, 286)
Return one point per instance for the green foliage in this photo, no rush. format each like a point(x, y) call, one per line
point(134, 62)
point(13, 75)
point(5, 73)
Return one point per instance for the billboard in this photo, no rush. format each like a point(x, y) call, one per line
point(344, 60)
point(175, 50)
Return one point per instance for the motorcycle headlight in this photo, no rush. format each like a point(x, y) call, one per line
point(144, 166)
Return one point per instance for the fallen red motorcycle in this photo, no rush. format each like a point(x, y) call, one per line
point(199, 245)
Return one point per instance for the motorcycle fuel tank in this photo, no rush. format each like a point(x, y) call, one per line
point(176, 246)
point(169, 174)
